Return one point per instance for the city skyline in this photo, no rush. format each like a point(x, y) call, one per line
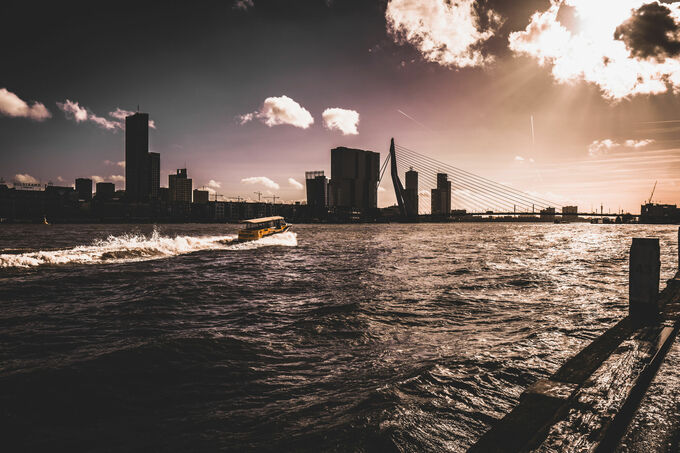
point(249, 95)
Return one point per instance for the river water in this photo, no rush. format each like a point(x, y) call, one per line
point(329, 337)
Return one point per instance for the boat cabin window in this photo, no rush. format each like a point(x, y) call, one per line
point(270, 224)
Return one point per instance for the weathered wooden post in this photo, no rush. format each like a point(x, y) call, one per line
point(643, 284)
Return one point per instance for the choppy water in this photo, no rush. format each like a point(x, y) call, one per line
point(347, 337)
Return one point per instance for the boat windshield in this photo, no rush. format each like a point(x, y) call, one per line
point(258, 226)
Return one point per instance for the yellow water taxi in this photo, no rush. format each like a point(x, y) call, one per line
point(266, 226)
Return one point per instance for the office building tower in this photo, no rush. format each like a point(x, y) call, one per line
point(180, 187)
point(164, 195)
point(84, 189)
point(137, 180)
point(441, 196)
point(201, 196)
point(354, 179)
point(317, 192)
point(411, 193)
point(154, 175)
point(105, 191)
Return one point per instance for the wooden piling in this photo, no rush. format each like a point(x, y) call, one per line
point(644, 274)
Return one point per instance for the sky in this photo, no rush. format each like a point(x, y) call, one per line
point(575, 101)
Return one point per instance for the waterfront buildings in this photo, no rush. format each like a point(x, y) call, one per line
point(411, 193)
point(441, 196)
point(137, 168)
point(180, 187)
point(659, 213)
point(105, 191)
point(354, 180)
point(84, 189)
point(570, 213)
point(154, 175)
point(201, 196)
point(317, 193)
point(547, 214)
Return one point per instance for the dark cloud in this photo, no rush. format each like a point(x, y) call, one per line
point(651, 32)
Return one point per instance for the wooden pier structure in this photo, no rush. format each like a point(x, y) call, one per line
point(589, 402)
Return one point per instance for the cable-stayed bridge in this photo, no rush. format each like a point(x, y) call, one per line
point(435, 187)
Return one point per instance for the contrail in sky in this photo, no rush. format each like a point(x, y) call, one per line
point(660, 122)
point(415, 120)
point(533, 137)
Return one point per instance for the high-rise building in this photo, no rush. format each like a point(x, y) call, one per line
point(180, 187)
point(105, 191)
point(84, 189)
point(154, 175)
point(201, 196)
point(411, 192)
point(354, 179)
point(441, 196)
point(317, 192)
point(137, 180)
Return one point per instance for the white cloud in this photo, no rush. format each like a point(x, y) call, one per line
point(12, 105)
point(638, 143)
point(214, 184)
point(445, 32)
point(590, 51)
point(519, 158)
point(381, 189)
point(262, 180)
point(25, 178)
point(297, 185)
point(73, 110)
point(60, 179)
point(120, 114)
point(104, 123)
point(117, 178)
point(95, 179)
point(280, 110)
point(120, 163)
point(345, 121)
point(243, 4)
point(602, 147)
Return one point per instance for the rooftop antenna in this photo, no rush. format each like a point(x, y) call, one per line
point(137, 108)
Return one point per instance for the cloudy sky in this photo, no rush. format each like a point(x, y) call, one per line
point(250, 94)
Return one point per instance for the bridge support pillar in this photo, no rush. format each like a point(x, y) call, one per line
point(644, 274)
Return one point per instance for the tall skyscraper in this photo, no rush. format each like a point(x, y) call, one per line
point(317, 192)
point(441, 196)
point(411, 193)
point(84, 189)
point(354, 179)
point(180, 187)
point(137, 165)
point(154, 175)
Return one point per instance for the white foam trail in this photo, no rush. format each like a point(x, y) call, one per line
point(128, 248)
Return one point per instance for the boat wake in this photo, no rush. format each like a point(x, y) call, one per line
point(129, 247)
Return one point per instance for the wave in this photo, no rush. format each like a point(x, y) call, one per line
point(133, 247)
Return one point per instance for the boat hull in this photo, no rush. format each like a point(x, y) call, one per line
point(254, 235)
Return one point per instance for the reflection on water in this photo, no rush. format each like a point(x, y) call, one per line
point(353, 337)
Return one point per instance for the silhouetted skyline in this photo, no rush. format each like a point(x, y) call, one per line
point(251, 94)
